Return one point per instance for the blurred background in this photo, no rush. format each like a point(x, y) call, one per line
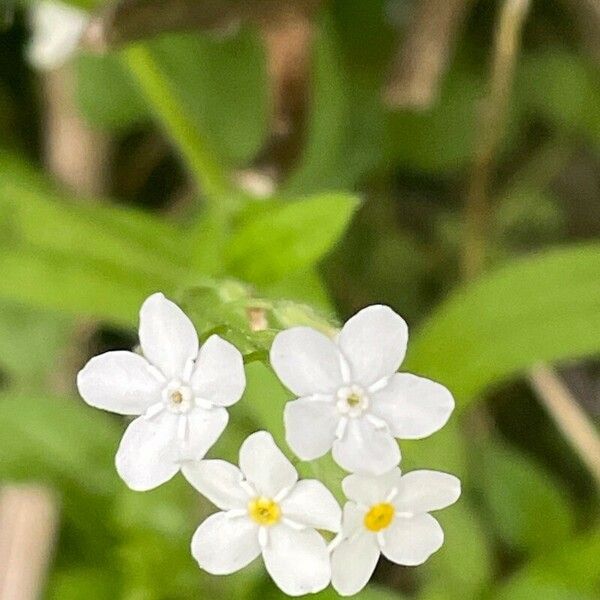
point(270, 162)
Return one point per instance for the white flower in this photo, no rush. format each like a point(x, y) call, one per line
point(389, 514)
point(179, 390)
point(350, 397)
point(57, 29)
point(265, 510)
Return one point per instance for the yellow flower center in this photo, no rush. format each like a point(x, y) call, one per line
point(264, 511)
point(353, 400)
point(379, 516)
point(177, 397)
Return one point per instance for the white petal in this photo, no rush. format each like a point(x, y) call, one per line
point(167, 337)
point(265, 465)
point(223, 545)
point(374, 342)
point(298, 561)
point(219, 481)
point(413, 407)
point(424, 491)
point(352, 519)
point(57, 29)
point(312, 504)
point(204, 428)
point(306, 361)
point(219, 372)
point(411, 541)
point(120, 382)
point(369, 490)
point(353, 563)
point(148, 453)
point(366, 449)
point(310, 426)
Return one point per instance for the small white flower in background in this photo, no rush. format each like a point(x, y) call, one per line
point(57, 29)
point(179, 389)
point(389, 514)
point(351, 399)
point(264, 510)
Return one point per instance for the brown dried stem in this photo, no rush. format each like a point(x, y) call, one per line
point(288, 44)
point(78, 156)
point(74, 153)
point(28, 523)
point(569, 417)
point(424, 54)
point(126, 21)
point(489, 129)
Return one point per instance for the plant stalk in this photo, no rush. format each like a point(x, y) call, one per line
point(490, 128)
point(192, 144)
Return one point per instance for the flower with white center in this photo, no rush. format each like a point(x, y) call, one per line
point(388, 515)
point(350, 398)
point(179, 389)
point(264, 510)
point(57, 29)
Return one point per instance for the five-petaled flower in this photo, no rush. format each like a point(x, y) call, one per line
point(389, 514)
point(350, 398)
point(264, 510)
point(179, 389)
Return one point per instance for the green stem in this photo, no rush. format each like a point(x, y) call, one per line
point(194, 147)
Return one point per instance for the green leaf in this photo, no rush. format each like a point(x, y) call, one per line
point(517, 491)
point(543, 78)
point(540, 308)
point(439, 139)
point(371, 592)
point(211, 96)
point(289, 237)
point(70, 447)
point(34, 209)
point(31, 344)
point(159, 567)
point(527, 217)
point(446, 450)
point(223, 86)
point(458, 570)
point(75, 583)
point(463, 566)
point(49, 437)
point(165, 102)
point(265, 589)
point(70, 285)
point(100, 233)
point(106, 94)
point(535, 588)
point(571, 571)
point(82, 258)
point(307, 287)
point(265, 399)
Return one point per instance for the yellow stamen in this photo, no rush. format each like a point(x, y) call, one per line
point(379, 516)
point(264, 511)
point(176, 397)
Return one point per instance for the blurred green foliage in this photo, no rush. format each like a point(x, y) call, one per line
point(370, 211)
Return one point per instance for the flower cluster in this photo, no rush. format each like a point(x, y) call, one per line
point(349, 399)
